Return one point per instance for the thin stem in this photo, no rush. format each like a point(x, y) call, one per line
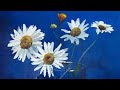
point(78, 66)
point(55, 35)
point(58, 27)
point(73, 52)
point(86, 51)
point(70, 60)
point(60, 24)
point(64, 73)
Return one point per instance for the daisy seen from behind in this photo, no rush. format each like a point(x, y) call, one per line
point(77, 31)
point(25, 42)
point(50, 57)
point(102, 27)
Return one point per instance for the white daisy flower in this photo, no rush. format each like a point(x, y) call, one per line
point(77, 31)
point(49, 58)
point(25, 42)
point(102, 27)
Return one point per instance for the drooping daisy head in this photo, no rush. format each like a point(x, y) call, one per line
point(102, 27)
point(25, 41)
point(77, 31)
point(49, 57)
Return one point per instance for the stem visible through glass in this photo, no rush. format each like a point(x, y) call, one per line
point(78, 65)
point(70, 61)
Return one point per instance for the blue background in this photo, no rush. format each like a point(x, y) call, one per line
point(102, 60)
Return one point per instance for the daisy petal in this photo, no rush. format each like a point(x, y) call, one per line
point(78, 22)
point(49, 47)
point(37, 43)
point(37, 62)
point(35, 59)
point(72, 39)
point(94, 25)
point(41, 50)
point(52, 71)
point(16, 33)
point(33, 52)
point(70, 26)
point(82, 24)
point(52, 47)
point(38, 67)
point(38, 38)
point(64, 36)
point(44, 71)
point(49, 70)
point(20, 54)
point(85, 28)
point(45, 47)
point(24, 28)
point(66, 31)
point(97, 31)
point(62, 55)
point(61, 58)
point(101, 22)
point(57, 66)
point(58, 63)
point(73, 23)
point(83, 35)
point(11, 44)
point(17, 54)
point(28, 54)
point(24, 56)
point(58, 48)
point(12, 36)
point(31, 30)
point(61, 51)
point(20, 32)
point(77, 41)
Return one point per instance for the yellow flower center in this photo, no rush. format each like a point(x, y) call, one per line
point(101, 27)
point(48, 58)
point(26, 42)
point(75, 31)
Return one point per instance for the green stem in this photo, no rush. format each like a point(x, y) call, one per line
point(57, 38)
point(73, 52)
point(78, 65)
point(55, 35)
point(86, 51)
point(64, 73)
point(70, 60)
